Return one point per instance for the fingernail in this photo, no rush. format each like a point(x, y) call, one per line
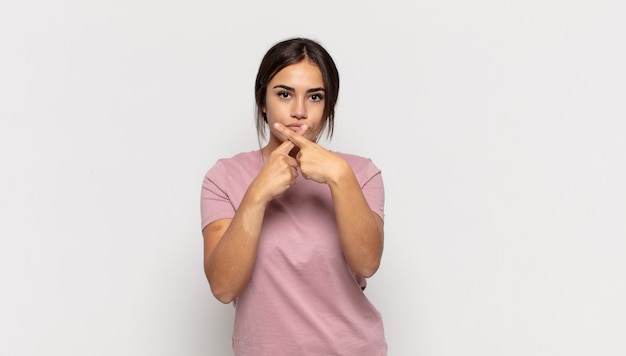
point(277, 125)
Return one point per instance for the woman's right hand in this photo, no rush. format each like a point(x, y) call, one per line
point(278, 174)
point(236, 239)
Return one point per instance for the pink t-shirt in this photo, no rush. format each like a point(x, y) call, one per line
point(302, 298)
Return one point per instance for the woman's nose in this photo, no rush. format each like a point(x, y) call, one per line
point(299, 109)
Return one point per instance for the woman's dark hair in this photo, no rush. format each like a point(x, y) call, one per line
point(293, 51)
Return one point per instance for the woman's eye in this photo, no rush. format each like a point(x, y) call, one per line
point(283, 95)
point(317, 97)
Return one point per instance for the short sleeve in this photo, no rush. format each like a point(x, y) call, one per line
point(374, 190)
point(215, 202)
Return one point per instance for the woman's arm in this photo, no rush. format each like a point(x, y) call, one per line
point(230, 245)
point(360, 229)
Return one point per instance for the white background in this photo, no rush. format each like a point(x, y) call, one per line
point(498, 125)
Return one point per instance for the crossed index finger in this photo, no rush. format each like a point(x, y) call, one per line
point(285, 147)
point(295, 137)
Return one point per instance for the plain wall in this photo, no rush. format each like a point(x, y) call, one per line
point(498, 126)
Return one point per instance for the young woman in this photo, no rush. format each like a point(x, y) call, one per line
point(292, 231)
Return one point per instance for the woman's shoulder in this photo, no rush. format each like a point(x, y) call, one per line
point(353, 158)
point(245, 156)
point(359, 163)
point(242, 160)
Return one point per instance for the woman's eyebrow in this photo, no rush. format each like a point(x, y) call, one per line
point(288, 88)
point(316, 89)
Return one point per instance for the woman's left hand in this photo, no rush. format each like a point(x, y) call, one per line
point(315, 162)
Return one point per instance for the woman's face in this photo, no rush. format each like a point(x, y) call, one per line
point(295, 97)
